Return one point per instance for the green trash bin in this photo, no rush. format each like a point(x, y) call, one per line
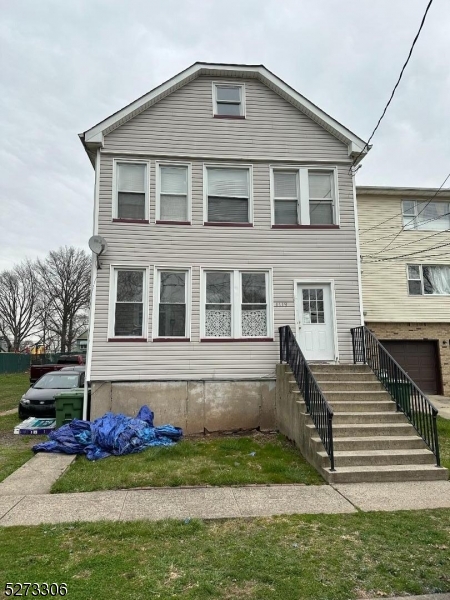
point(400, 391)
point(69, 405)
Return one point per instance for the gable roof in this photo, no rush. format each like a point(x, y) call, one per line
point(93, 137)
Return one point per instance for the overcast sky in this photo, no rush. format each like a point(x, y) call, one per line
point(65, 65)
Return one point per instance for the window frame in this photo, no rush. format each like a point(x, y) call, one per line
point(249, 168)
point(156, 297)
point(413, 225)
point(242, 105)
point(303, 211)
point(115, 190)
point(113, 270)
point(236, 303)
point(422, 286)
point(163, 163)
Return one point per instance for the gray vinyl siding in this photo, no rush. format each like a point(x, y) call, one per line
point(293, 254)
point(183, 123)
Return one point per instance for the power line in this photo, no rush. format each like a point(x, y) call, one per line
point(415, 217)
point(396, 228)
point(396, 85)
point(410, 253)
point(410, 242)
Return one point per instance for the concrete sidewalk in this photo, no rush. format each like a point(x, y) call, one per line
point(220, 502)
point(37, 475)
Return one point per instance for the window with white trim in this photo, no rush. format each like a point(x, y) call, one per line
point(228, 100)
point(304, 196)
point(432, 216)
point(131, 200)
point(172, 310)
point(429, 280)
point(172, 203)
point(129, 303)
point(228, 194)
point(236, 304)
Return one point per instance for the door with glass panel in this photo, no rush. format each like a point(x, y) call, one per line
point(315, 326)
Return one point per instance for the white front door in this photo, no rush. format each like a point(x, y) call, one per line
point(315, 321)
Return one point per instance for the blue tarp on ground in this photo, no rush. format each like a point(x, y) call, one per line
point(110, 435)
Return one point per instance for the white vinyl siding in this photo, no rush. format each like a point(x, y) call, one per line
point(426, 215)
point(228, 194)
point(131, 191)
point(128, 303)
point(236, 304)
point(173, 192)
point(305, 196)
point(228, 100)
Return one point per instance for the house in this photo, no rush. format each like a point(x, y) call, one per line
point(227, 203)
point(81, 342)
point(404, 234)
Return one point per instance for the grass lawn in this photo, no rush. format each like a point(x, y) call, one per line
point(320, 557)
point(444, 440)
point(15, 450)
point(260, 458)
point(12, 388)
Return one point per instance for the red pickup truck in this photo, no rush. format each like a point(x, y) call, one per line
point(36, 371)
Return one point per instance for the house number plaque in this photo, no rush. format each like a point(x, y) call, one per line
point(280, 304)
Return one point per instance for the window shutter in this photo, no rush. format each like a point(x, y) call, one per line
point(131, 178)
point(231, 210)
point(286, 212)
point(173, 180)
point(228, 182)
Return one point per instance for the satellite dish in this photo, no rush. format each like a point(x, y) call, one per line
point(97, 244)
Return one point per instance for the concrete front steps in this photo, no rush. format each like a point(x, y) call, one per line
point(372, 441)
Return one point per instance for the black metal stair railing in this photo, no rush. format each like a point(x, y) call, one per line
point(317, 407)
point(408, 397)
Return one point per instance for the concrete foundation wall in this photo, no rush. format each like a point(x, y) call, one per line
point(192, 405)
point(292, 419)
point(420, 331)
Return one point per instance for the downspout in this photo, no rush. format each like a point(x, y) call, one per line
point(358, 250)
point(87, 378)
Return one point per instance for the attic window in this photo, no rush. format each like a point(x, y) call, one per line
point(229, 101)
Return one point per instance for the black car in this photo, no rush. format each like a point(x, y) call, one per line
point(39, 400)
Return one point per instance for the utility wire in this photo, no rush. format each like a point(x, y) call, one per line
point(396, 228)
point(396, 85)
point(411, 242)
point(410, 253)
point(415, 217)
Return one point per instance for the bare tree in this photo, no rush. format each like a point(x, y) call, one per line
point(65, 281)
point(19, 292)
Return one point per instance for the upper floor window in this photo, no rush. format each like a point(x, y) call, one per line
point(173, 191)
point(228, 194)
point(131, 191)
point(128, 299)
point(304, 196)
point(428, 280)
point(228, 100)
point(426, 215)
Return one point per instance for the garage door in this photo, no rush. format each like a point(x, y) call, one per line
point(419, 359)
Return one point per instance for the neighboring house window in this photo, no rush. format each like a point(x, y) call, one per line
point(434, 216)
point(236, 304)
point(304, 196)
point(131, 191)
point(228, 194)
point(429, 280)
point(172, 202)
point(228, 100)
point(129, 299)
point(172, 312)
